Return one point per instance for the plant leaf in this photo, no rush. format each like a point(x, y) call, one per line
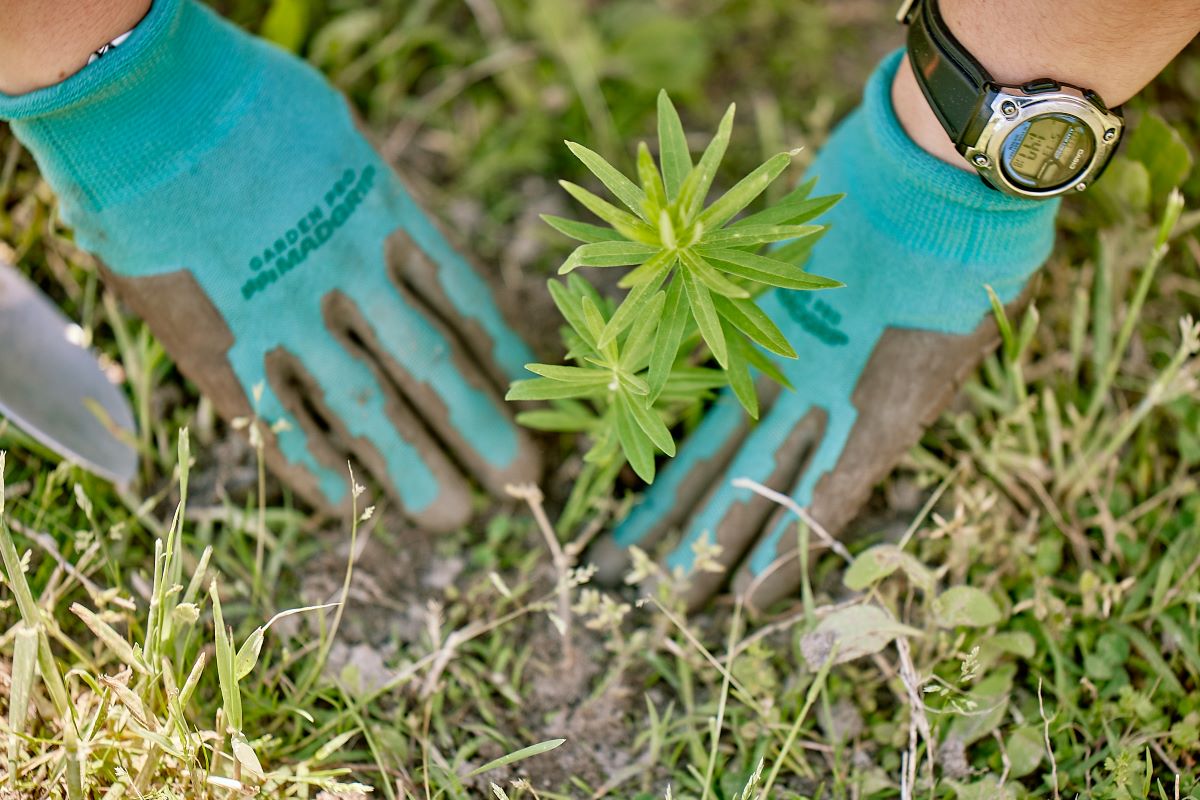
point(765, 270)
point(764, 364)
point(640, 341)
point(715, 281)
point(673, 151)
point(705, 315)
point(744, 192)
point(571, 307)
point(634, 304)
point(667, 338)
point(608, 254)
point(751, 320)
point(582, 376)
point(652, 425)
point(625, 223)
point(686, 383)
point(797, 251)
point(622, 188)
point(634, 443)
point(547, 389)
point(965, 605)
point(738, 371)
point(695, 188)
point(745, 236)
point(519, 755)
point(788, 212)
point(856, 631)
point(652, 183)
point(581, 231)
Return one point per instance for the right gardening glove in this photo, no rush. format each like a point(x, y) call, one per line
point(916, 241)
point(282, 263)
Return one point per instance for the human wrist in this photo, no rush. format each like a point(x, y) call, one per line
point(918, 120)
point(43, 43)
point(182, 80)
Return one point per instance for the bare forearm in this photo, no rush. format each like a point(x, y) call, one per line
point(44, 41)
point(1115, 47)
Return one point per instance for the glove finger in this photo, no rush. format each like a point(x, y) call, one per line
point(910, 378)
point(346, 414)
point(681, 484)
point(436, 273)
point(424, 364)
point(773, 455)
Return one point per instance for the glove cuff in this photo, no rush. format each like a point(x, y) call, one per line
point(934, 207)
point(143, 113)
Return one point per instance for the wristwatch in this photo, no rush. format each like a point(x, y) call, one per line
point(1038, 139)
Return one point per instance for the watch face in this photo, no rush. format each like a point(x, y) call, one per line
point(1048, 151)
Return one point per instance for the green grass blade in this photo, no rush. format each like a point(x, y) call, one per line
point(673, 151)
point(519, 755)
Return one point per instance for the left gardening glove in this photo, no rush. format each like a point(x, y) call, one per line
point(281, 262)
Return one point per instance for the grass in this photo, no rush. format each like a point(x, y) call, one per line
point(1023, 597)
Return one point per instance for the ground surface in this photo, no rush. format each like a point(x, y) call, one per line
point(1078, 667)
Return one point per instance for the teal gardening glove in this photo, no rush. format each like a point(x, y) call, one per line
point(242, 214)
point(916, 241)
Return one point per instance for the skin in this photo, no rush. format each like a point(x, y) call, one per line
point(1114, 47)
point(44, 41)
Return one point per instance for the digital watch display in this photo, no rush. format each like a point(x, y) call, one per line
point(1037, 139)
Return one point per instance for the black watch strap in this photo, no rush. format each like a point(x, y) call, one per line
point(951, 79)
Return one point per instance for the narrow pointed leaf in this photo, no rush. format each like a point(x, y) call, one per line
point(634, 442)
point(790, 213)
point(699, 180)
point(744, 192)
point(639, 342)
point(649, 270)
point(582, 376)
point(608, 254)
point(673, 151)
point(706, 316)
point(751, 320)
point(685, 383)
point(765, 270)
point(751, 235)
point(581, 231)
point(797, 251)
point(652, 425)
point(652, 183)
point(739, 371)
point(571, 308)
point(634, 304)
point(625, 223)
point(547, 389)
point(667, 338)
point(767, 366)
point(715, 281)
point(622, 188)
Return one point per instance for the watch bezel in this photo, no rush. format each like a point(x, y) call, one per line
point(1012, 107)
